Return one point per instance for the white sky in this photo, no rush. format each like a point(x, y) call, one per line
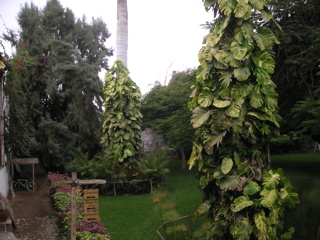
point(164, 36)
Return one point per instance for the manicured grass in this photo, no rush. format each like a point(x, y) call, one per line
point(303, 170)
point(134, 217)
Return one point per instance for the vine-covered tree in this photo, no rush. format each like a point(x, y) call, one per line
point(235, 111)
point(121, 129)
point(63, 91)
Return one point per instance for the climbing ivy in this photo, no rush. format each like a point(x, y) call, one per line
point(121, 117)
point(234, 109)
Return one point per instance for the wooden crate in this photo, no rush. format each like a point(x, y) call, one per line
point(91, 217)
point(6, 226)
point(91, 194)
point(4, 214)
point(91, 207)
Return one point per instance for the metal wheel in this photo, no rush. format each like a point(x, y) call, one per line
point(16, 185)
point(31, 186)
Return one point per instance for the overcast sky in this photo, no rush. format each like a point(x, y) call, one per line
point(164, 36)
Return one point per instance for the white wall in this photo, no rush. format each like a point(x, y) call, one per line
point(4, 185)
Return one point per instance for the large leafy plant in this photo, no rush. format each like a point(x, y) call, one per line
point(121, 117)
point(155, 166)
point(234, 109)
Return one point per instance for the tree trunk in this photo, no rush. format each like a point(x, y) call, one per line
point(122, 32)
point(183, 159)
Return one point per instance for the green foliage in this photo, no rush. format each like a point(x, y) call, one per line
point(100, 166)
point(154, 166)
point(282, 144)
point(297, 70)
point(234, 109)
point(91, 236)
point(61, 193)
point(165, 110)
point(121, 129)
point(63, 92)
point(19, 142)
point(82, 165)
point(288, 235)
point(63, 199)
point(307, 116)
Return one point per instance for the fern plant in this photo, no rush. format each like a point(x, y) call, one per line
point(155, 166)
point(234, 109)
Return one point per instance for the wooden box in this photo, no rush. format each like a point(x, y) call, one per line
point(4, 214)
point(91, 217)
point(91, 194)
point(6, 226)
point(91, 207)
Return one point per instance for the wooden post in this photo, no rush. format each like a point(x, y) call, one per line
point(151, 189)
point(114, 189)
point(73, 206)
point(74, 184)
point(33, 177)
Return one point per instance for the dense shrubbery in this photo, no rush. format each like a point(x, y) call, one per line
point(154, 166)
point(282, 145)
point(60, 191)
point(151, 166)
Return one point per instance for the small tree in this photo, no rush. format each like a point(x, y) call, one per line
point(165, 111)
point(235, 111)
point(121, 129)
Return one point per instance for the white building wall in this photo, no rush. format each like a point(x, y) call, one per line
point(4, 174)
point(4, 184)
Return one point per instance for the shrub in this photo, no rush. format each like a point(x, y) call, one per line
point(60, 190)
point(282, 145)
point(155, 167)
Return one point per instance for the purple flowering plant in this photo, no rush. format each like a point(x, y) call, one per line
point(60, 189)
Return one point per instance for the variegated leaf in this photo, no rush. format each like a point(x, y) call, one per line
point(241, 74)
point(226, 165)
point(221, 103)
point(268, 197)
point(251, 188)
point(241, 203)
point(227, 6)
point(200, 116)
point(205, 98)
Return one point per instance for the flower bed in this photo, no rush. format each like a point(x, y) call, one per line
point(60, 191)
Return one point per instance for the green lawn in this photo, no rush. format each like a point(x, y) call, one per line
point(134, 217)
point(303, 170)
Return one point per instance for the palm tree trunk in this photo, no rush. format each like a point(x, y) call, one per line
point(122, 32)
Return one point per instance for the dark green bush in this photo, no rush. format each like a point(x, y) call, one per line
point(282, 145)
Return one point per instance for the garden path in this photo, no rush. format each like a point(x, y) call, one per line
point(34, 213)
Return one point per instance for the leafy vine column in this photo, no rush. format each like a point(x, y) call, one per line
point(121, 129)
point(234, 106)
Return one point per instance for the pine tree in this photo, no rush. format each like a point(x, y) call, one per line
point(63, 92)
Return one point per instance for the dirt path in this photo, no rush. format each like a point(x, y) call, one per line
point(34, 213)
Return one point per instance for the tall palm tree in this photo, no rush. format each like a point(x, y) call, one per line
point(122, 32)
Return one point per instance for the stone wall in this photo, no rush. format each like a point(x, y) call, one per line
point(151, 141)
